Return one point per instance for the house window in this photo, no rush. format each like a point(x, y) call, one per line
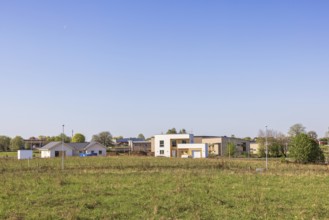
point(100, 152)
point(56, 153)
point(161, 152)
point(161, 143)
point(183, 141)
point(92, 151)
point(174, 143)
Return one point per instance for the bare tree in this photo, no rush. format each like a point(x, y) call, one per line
point(312, 134)
point(296, 129)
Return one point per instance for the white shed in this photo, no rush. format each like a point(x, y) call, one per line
point(24, 154)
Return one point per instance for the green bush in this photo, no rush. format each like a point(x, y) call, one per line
point(305, 149)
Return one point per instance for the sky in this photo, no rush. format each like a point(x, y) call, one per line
point(129, 67)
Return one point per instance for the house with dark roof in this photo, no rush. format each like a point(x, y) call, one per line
point(57, 149)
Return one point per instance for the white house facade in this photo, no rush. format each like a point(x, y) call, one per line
point(179, 145)
point(165, 145)
point(56, 149)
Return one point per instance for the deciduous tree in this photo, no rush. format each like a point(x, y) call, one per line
point(182, 131)
point(305, 149)
point(16, 143)
point(78, 138)
point(4, 143)
point(141, 136)
point(104, 138)
point(312, 134)
point(296, 129)
point(172, 131)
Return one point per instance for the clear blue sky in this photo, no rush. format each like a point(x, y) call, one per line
point(130, 67)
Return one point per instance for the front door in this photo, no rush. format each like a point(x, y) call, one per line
point(60, 153)
point(173, 153)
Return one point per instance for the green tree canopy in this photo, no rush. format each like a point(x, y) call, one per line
point(104, 138)
point(276, 143)
point(118, 137)
point(305, 149)
point(141, 136)
point(172, 131)
point(16, 143)
point(78, 138)
point(59, 137)
point(182, 131)
point(4, 143)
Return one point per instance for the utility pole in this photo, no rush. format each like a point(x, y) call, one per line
point(328, 137)
point(266, 148)
point(63, 148)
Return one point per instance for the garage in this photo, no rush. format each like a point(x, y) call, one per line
point(196, 154)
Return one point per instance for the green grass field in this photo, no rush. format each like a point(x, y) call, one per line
point(161, 188)
point(8, 154)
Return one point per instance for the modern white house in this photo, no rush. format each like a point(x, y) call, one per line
point(178, 145)
point(56, 149)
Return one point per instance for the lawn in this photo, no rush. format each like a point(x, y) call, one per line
point(161, 188)
point(8, 154)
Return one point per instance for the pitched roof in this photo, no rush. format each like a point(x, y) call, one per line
point(50, 145)
point(76, 146)
point(79, 146)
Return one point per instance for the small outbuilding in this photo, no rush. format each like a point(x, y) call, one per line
point(24, 154)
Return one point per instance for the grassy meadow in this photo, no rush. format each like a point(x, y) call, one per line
point(161, 188)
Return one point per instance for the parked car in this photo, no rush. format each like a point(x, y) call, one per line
point(87, 154)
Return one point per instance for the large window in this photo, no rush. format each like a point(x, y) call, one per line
point(161, 152)
point(162, 143)
point(183, 141)
point(174, 143)
point(100, 152)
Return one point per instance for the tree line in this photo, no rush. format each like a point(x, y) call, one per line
point(299, 144)
point(17, 143)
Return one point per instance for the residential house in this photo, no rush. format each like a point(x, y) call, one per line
point(254, 147)
point(56, 149)
point(125, 141)
point(217, 145)
point(178, 145)
point(140, 146)
point(34, 142)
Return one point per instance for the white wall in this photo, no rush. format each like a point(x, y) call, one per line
point(51, 152)
point(96, 148)
point(203, 147)
point(167, 139)
point(45, 154)
point(24, 154)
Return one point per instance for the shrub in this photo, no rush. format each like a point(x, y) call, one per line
point(305, 149)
